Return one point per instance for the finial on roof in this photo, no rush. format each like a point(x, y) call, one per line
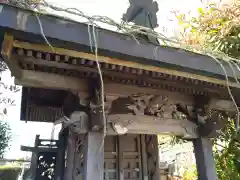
point(142, 13)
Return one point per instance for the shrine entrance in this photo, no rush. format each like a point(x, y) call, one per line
point(125, 157)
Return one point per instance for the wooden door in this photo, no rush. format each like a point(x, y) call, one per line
point(123, 158)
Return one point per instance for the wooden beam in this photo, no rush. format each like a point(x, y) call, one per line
point(222, 105)
point(151, 125)
point(54, 64)
point(50, 80)
point(36, 149)
point(204, 158)
point(94, 156)
point(110, 60)
point(53, 81)
point(6, 52)
point(144, 125)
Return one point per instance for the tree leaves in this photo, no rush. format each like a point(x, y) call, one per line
point(201, 11)
point(219, 29)
point(215, 28)
point(5, 137)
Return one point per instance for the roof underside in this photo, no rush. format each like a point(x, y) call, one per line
point(73, 35)
point(122, 61)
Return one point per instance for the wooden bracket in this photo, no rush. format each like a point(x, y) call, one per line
point(95, 114)
point(6, 52)
point(208, 125)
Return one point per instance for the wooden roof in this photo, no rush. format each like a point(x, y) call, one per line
point(74, 35)
point(122, 60)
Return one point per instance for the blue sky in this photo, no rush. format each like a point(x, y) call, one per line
point(24, 133)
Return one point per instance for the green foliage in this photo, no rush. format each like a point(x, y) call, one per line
point(214, 28)
point(5, 100)
point(227, 151)
point(11, 172)
point(4, 137)
point(218, 29)
point(190, 174)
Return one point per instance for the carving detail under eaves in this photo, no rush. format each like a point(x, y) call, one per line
point(138, 107)
point(160, 107)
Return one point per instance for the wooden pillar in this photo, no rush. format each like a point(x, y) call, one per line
point(152, 157)
point(70, 149)
point(204, 159)
point(75, 151)
point(144, 157)
point(94, 156)
point(120, 157)
point(60, 161)
point(34, 159)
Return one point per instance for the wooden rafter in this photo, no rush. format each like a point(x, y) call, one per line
point(76, 54)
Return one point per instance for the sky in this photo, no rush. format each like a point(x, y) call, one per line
point(24, 133)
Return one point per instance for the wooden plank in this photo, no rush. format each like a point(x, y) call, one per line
point(204, 159)
point(53, 81)
point(47, 80)
point(144, 157)
point(222, 105)
point(94, 157)
point(151, 125)
point(110, 72)
point(147, 125)
point(111, 60)
point(6, 53)
point(36, 149)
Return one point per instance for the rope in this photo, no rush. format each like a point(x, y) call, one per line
point(102, 85)
point(135, 29)
point(42, 33)
point(229, 90)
